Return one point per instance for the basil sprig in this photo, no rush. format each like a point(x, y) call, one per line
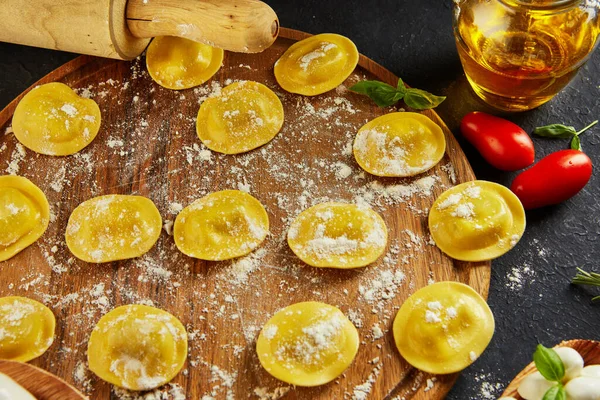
point(385, 95)
point(549, 364)
point(559, 131)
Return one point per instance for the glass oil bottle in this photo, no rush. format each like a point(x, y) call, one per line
point(518, 54)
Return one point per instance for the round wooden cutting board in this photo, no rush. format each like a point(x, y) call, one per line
point(147, 145)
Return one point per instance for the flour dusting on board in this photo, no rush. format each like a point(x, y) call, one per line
point(151, 149)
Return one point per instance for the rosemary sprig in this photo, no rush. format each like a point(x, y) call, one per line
point(587, 278)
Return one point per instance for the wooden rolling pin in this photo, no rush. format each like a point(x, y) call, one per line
point(122, 28)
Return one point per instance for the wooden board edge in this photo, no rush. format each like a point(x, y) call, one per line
point(53, 76)
point(40, 383)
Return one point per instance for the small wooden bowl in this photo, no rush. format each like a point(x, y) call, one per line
point(589, 350)
point(41, 384)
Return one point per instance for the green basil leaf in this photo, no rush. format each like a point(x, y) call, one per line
point(383, 97)
point(555, 393)
point(399, 96)
point(401, 88)
point(381, 93)
point(555, 131)
point(421, 100)
point(363, 87)
point(576, 143)
point(549, 363)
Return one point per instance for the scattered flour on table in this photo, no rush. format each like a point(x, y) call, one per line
point(223, 382)
point(362, 391)
point(430, 384)
point(376, 332)
point(170, 391)
point(488, 390)
point(519, 276)
point(175, 208)
point(263, 393)
point(82, 377)
point(113, 143)
point(18, 155)
point(384, 286)
point(240, 269)
point(58, 181)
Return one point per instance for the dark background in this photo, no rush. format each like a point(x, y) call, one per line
point(413, 39)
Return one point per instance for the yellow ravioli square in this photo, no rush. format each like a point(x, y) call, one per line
point(307, 344)
point(221, 225)
point(246, 115)
point(338, 235)
point(26, 328)
point(53, 120)
point(113, 227)
point(24, 214)
point(316, 64)
point(443, 328)
point(178, 63)
point(137, 347)
point(476, 221)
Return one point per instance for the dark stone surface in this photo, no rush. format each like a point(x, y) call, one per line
point(414, 40)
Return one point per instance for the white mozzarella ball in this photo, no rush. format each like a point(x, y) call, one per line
point(507, 398)
point(592, 371)
point(534, 387)
point(583, 388)
point(572, 361)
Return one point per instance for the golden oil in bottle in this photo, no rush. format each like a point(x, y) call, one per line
point(517, 54)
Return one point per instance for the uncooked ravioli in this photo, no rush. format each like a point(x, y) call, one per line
point(316, 64)
point(307, 344)
point(113, 227)
point(24, 214)
point(137, 347)
point(26, 327)
point(246, 115)
point(338, 235)
point(178, 63)
point(399, 144)
point(443, 328)
point(221, 225)
point(52, 119)
point(476, 221)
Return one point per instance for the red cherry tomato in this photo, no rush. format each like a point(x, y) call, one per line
point(503, 144)
point(555, 178)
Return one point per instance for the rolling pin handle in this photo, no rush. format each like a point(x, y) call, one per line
point(245, 26)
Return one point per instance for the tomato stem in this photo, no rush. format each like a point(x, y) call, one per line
point(586, 128)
